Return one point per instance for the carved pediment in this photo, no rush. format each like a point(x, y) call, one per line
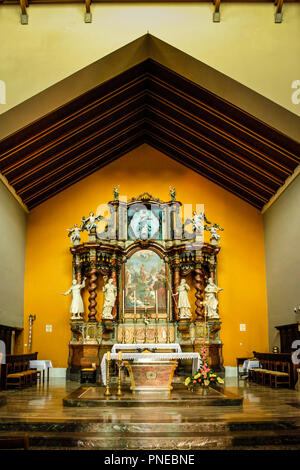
point(145, 197)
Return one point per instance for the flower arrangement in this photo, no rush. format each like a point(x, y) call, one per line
point(204, 376)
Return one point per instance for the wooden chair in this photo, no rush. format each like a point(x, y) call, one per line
point(15, 443)
point(281, 375)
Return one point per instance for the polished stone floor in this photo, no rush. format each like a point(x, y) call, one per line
point(268, 418)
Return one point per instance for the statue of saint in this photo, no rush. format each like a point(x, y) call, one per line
point(74, 234)
point(172, 193)
point(183, 304)
point(110, 294)
point(77, 304)
point(211, 299)
point(144, 225)
point(116, 193)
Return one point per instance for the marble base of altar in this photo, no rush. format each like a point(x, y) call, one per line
point(91, 396)
point(151, 376)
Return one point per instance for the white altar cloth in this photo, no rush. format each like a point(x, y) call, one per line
point(120, 346)
point(156, 356)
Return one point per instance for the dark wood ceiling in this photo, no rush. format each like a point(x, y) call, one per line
point(148, 104)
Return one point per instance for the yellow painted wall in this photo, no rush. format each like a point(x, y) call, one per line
point(241, 260)
point(246, 45)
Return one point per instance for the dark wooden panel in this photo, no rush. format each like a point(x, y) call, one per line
point(148, 103)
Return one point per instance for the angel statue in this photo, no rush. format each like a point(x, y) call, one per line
point(90, 222)
point(116, 193)
point(110, 294)
point(215, 237)
point(211, 299)
point(77, 304)
point(74, 234)
point(172, 193)
point(198, 223)
point(183, 304)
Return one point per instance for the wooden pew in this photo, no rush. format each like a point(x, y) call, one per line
point(277, 368)
point(16, 372)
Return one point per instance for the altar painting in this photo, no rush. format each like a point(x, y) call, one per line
point(145, 282)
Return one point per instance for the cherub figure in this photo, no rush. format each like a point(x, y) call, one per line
point(116, 193)
point(172, 193)
point(215, 237)
point(90, 222)
point(74, 234)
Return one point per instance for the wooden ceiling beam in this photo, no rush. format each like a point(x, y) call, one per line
point(112, 155)
point(262, 177)
point(208, 162)
point(127, 89)
point(37, 174)
point(222, 117)
point(36, 159)
point(227, 150)
point(176, 154)
point(231, 138)
point(82, 161)
point(278, 11)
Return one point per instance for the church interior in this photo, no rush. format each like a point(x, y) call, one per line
point(150, 218)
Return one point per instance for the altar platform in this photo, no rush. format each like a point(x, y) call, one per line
point(93, 396)
point(268, 419)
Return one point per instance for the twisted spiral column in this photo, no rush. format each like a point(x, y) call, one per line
point(93, 294)
point(198, 276)
point(176, 284)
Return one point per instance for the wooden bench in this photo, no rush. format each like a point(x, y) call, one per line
point(274, 370)
point(16, 372)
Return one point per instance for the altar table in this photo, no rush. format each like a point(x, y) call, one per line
point(152, 357)
point(41, 365)
point(119, 346)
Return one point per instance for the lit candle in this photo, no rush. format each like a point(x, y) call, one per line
point(156, 303)
point(120, 356)
point(108, 355)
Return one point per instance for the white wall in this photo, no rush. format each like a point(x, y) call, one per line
point(13, 220)
point(282, 248)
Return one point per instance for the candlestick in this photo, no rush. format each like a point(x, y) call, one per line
point(123, 304)
point(134, 297)
point(119, 391)
point(107, 390)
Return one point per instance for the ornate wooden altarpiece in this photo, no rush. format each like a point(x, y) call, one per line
point(125, 253)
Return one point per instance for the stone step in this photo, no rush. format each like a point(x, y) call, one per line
point(169, 441)
point(199, 426)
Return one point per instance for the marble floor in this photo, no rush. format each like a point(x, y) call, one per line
point(268, 419)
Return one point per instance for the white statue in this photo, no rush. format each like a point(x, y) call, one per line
point(198, 222)
point(90, 222)
point(144, 224)
point(74, 234)
point(77, 304)
point(211, 299)
point(183, 304)
point(110, 294)
point(215, 237)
